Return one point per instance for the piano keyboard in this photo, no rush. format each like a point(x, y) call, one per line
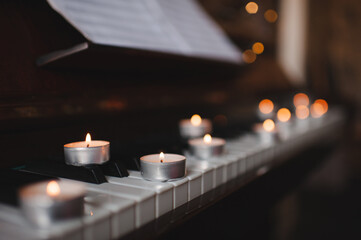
point(120, 206)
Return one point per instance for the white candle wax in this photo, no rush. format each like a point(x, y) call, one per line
point(264, 136)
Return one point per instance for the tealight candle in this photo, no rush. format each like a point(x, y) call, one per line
point(283, 123)
point(86, 152)
point(194, 127)
point(302, 114)
point(207, 146)
point(44, 203)
point(265, 131)
point(163, 167)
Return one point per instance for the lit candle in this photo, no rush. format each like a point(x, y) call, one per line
point(86, 152)
point(266, 131)
point(163, 167)
point(194, 127)
point(318, 109)
point(207, 147)
point(44, 203)
point(265, 109)
point(283, 123)
point(302, 114)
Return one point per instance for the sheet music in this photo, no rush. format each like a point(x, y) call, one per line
point(174, 26)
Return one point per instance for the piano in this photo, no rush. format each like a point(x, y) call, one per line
point(57, 85)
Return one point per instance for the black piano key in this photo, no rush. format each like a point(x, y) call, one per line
point(114, 168)
point(90, 173)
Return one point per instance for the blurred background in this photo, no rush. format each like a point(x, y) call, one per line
point(313, 45)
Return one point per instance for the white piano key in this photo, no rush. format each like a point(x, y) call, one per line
point(145, 199)
point(13, 225)
point(219, 169)
point(164, 192)
point(96, 223)
point(207, 172)
point(180, 188)
point(123, 211)
point(194, 184)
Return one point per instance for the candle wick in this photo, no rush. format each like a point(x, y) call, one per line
point(161, 160)
point(87, 145)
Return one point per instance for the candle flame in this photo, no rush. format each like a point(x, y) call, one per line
point(91, 213)
point(161, 157)
point(53, 189)
point(88, 139)
point(196, 120)
point(301, 99)
point(283, 115)
point(302, 112)
point(207, 138)
point(266, 106)
point(268, 125)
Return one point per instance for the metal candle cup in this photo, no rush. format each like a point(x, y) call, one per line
point(189, 129)
point(203, 150)
point(173, 166)
point(83, 153)
point(44, 203)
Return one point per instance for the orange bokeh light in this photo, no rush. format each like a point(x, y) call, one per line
point(268, 125)
point(258, 48)
point(283, 115)
point(266, 106)
point(252, 7)
point(317, 110)
point(301, 99)
point(249, 56)
point(302, 112)
point(271, 15)
point(323, 103)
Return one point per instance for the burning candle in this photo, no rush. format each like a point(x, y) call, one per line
point(86, 152)
point(265, 109)
point(301, 99)
point(162, 167)
point(283, 123)
point(207, 147)
point(194, 127)
point(44, 203)
point(302, 113)
point(265, 131)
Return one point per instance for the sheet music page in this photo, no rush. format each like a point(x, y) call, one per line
point(174, 26)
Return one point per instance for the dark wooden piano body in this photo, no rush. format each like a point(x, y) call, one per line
point(132, 98)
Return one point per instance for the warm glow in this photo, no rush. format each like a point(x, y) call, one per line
point(268, 125)
point(207, 138)
point(91, 213)
point(196, 120)
point(302, 112)
point(53, 189)
point(324, 105)
point(88, 138)
point(258, 48)
point(301, 99)
point(283, 115)
point(161, 157)
point(249, 56)
point(252, 7)
point(271, 16)
point(317, 110)
point(266, 106)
